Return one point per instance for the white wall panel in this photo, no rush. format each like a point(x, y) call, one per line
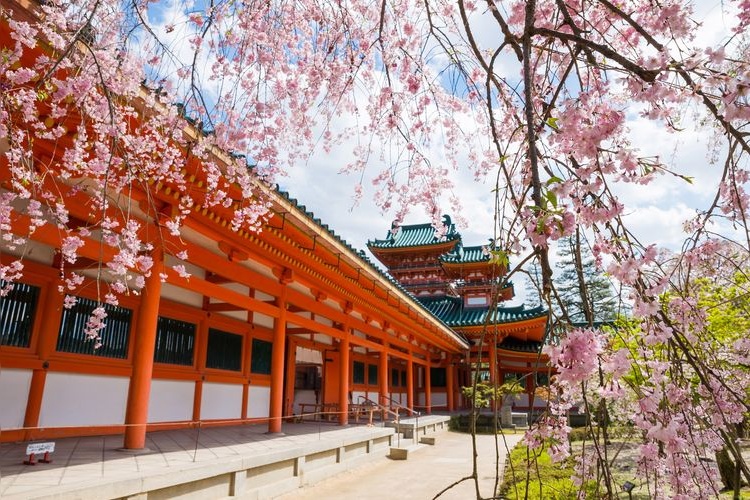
point(73, 399)
point(221, 401)
point(262, 320)
point(323, 338)
point(300, 396)
point(31, 250)
point(14, 392)
point(171, 400)
point(180, 295)
point(258, 401)
point(358, 397)
point(439, 399)
point(521, 400)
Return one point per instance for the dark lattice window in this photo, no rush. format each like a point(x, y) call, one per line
point(395, 381)
point(403, 378)
point(175, 341)
point(358, 372)
point(17, 310)
point(260, 357)
point(224, 350)
point(437, 377)
point(542, 379)
point(114, 335)
point(372, 374)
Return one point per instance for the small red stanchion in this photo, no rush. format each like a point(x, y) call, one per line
point(34, 449)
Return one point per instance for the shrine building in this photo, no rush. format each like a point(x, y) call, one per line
point(465, 288)
point(268, 324)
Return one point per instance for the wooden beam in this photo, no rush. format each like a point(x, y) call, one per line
point(222, 306)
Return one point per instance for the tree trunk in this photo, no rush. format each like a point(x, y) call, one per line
point(726, 468)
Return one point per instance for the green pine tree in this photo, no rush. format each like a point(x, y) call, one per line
point(584, 293)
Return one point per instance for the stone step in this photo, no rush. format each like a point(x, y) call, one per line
point(402, 452)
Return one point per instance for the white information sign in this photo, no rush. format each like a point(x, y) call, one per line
point(38, 448)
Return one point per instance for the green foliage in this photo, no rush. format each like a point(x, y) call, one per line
point(487, 392)
point(595, 293)
point(532, 473)
point(587, 433)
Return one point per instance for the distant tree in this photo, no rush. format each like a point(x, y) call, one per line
point(581, 293)
point(584, 293)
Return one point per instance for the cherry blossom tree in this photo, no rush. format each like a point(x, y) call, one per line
point(102, 98)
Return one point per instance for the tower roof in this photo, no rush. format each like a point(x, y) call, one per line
point(454, 314)
point(466, 255)
point(416, 235)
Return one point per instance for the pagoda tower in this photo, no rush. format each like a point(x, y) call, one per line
point(465, 288)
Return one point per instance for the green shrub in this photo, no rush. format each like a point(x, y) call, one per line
point(546, 480)
point(614, 432)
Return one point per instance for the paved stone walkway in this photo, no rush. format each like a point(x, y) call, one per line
point(96, 462)
point(427, 471)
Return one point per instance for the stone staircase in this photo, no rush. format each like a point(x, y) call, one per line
point(414, 432)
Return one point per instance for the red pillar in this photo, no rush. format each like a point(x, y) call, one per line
point(410, 384)
point(201, 349)
point(45, 346)
point(277, 366)
point(450, 390)
point(427, 387)
point(136, 414)
point(383, 378)
point(344, 377)
point(291, 368)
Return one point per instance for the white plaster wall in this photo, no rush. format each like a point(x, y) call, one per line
point(258, 401)
point(237, 287)
point(356, 397)
point(262, 320)
point(300, 396)
point(521, 400)
point(323, 338)
point(238, 315)
point(399, 398)
point(171, 400)
point(14, 392)
point(221, 401)
point(181, 296)
point(540, 402)
point(31, 250)
point(359, 349)
point(265, 297)
point(439, 399)
point(305, 355)
point(324, 321)
point(72, 399)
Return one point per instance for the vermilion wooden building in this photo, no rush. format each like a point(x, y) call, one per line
point(465, 289)
point(267, 325)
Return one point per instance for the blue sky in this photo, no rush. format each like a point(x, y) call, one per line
point(656, 213)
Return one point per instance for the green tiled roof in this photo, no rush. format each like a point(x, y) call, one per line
point(452, 312)
point(414, 235)
point(464, 255)
point(512, 344)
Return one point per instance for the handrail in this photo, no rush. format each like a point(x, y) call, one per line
point(383, 408)
point(399, 406)
point(398, 416)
